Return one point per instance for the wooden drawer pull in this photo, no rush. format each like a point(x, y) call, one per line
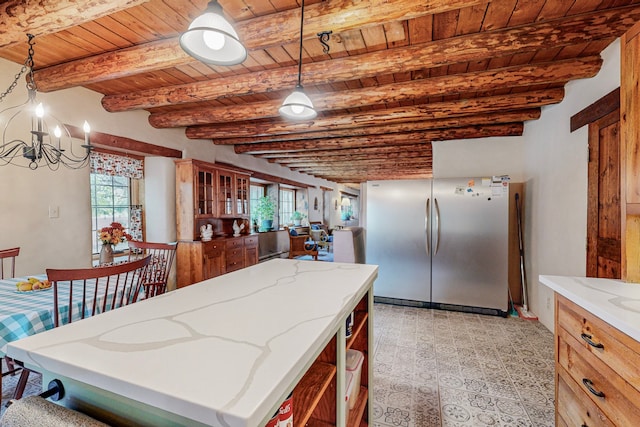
point(589, 385)
point(588, 339)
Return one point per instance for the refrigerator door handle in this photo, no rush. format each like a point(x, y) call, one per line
point(427, 230)
point(437, 224)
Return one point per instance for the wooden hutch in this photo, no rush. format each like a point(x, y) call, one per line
point(208, 193)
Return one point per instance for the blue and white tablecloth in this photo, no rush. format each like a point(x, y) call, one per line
point(27, 313)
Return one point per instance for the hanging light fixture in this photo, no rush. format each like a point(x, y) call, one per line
point(42, 148)
point(212, 40)
point(298, 106)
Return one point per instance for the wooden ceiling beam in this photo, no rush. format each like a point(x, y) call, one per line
point(417, 113)
point(469, 132)
point(417, 150)
point(371, 166)
point(447, 122)
point(473, 47)
point(356, 162)
point(20, 17)
point(510, 77)
point(124, 144)
point(258, 33)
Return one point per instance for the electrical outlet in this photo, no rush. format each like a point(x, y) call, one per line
point(54, 211)
point(548, 303)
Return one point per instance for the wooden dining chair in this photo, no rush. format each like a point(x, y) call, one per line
point(9, 255)
point(157, 274)
point(85, 292)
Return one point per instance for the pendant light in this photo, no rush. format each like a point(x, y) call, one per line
point(211, 39)
point(298, 106)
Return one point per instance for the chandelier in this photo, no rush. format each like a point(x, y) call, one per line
point(41, 148)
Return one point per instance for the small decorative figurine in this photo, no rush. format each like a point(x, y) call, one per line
point(237, 228)
point(206, 232)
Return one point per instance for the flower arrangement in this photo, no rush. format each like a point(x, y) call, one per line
point(113, 234)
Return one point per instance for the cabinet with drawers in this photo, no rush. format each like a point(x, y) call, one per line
point(216, 195)
point(198, 261)
point(597, 370)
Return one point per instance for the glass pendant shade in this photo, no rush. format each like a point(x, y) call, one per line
point(298, 106)
point(211, 39)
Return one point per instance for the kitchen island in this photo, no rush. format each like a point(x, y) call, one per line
point(223, 352)
point(597, 339)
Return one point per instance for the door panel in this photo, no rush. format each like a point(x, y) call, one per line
point(604, 250)
point(396, 238)
point(469, 264)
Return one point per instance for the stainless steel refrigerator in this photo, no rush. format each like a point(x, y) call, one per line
point(440, 243)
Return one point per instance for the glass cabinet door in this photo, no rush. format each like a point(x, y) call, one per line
point(204, 199)
point(225, 193)
point(242, 195)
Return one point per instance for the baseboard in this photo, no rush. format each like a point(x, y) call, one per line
point(440, 306)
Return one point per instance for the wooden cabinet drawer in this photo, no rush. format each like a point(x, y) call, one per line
point(251, 241)
point(574, 408)
point(235, 243)
point(615, 349)
point(619, 401)
point(213, 248)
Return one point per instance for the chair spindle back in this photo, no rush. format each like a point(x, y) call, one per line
point(85, 292)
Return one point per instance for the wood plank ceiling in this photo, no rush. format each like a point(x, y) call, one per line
point(399, 73)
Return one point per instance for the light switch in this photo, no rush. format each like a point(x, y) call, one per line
point(54, 212)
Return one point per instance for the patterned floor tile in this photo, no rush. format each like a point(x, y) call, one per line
point(435, 368)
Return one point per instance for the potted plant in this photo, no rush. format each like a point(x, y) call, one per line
point(297, 217)
point(264, 210)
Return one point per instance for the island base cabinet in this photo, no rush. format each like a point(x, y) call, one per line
point(316, 399)
point(114, 409)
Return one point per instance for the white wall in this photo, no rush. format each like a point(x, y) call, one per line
point(65, 242)
point(556, 178)
point(479, 157)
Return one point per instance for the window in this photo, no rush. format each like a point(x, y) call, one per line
point(287, 205)
point(255, 192)
point(110, 202)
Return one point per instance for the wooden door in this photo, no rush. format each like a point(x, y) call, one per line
point(604, 250)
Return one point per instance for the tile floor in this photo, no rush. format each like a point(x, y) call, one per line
point(445, 369)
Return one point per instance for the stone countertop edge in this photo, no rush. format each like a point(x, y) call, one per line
point(254, 331)
point(614, 301)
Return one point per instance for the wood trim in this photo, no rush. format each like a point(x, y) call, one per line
point(346, 193)
point(123, 144)
point(326, 188)
point(605, 105)
point(279, 180)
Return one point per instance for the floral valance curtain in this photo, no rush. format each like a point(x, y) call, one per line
point(114, 165)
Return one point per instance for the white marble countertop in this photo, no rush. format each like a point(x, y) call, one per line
point(614, 301)
point(221, 352)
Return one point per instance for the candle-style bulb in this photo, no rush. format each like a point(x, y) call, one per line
point(57, 132)
point(39, 115)
point(86, 129)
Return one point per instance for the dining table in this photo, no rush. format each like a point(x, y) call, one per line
point(26, 313)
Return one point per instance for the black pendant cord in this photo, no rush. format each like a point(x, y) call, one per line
point(301, 35)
